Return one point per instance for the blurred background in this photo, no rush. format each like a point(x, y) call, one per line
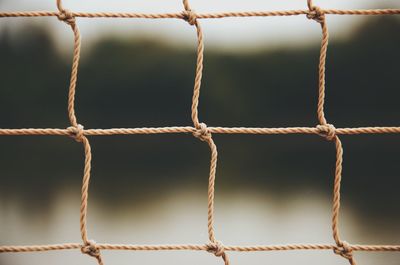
point(270, 189)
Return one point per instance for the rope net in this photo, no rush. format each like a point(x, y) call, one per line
point(203, 133)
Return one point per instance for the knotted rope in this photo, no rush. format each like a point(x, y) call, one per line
point(91, 249)
point(316, 14)
point(345, 250)
point(64, 14)
point(190, 16)
point(327, 130)
point(218, 249)
point(76, 132)
point(202, 132)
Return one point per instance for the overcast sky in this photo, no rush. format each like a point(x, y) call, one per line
point(227, 34)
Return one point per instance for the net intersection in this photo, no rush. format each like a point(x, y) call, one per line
point(204, 133)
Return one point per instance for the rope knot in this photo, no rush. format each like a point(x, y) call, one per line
point(190, 17)
point(202, 132)
point(345, 250)
point(316, 14)
point(216, 248)
point(76, 132)
point(91, 249)
point(66, 16)
point(327, 130)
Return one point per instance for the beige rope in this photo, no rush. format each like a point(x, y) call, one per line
point(182, 15)
point(89, 246)
point(329, 132)
point(319, 130)
point(69, 246)
point(204, 133)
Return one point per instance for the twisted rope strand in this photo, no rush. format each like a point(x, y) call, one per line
point(329, 132)
point(371, 12)
point(103, 246)
point(190, 129)
point(202, 132)
point(89, 247)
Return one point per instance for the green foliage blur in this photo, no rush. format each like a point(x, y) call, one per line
point(138, 83)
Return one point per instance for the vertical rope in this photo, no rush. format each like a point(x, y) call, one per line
point(321, 75)
point(74, 75)
point(190, 17)
point(77, 132)
point(203, 134)
point(329, 132)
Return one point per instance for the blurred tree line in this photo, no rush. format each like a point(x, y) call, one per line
point(137, 83)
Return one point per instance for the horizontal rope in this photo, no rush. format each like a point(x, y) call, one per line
point(189, 129)
point(194, 247)
point(180, 15)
